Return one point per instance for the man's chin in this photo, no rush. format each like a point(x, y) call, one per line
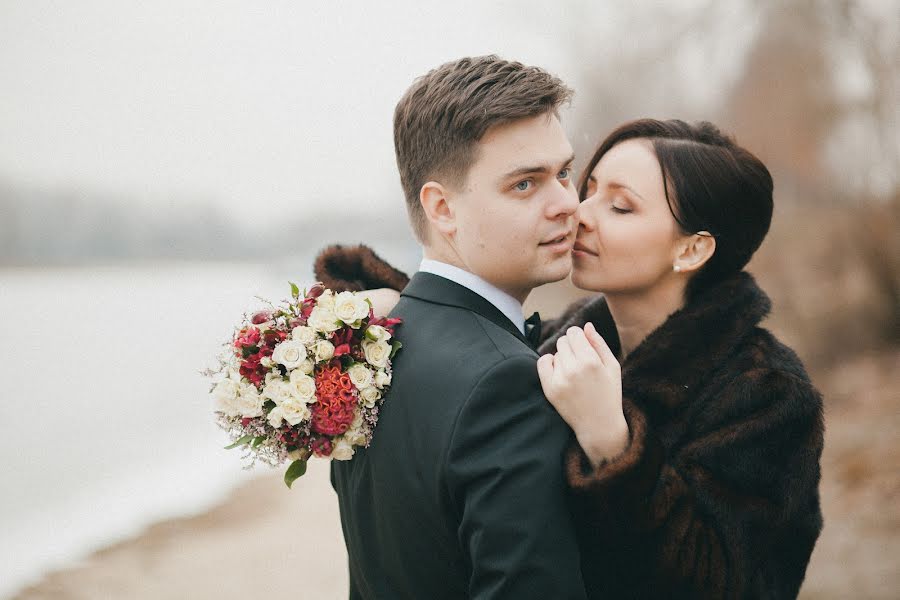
point(555, 273)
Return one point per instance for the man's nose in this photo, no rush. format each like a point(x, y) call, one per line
point(564, 201)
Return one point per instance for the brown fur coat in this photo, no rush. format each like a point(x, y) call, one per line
point(716, 495)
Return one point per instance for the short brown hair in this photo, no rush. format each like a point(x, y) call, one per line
point(443, 115)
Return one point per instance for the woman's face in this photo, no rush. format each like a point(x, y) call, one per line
point(627, 238)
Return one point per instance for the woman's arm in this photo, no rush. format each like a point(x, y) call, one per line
point(356, 268)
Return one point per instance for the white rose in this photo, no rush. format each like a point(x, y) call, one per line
point(357, 420)
point(225, 397)
point(303, 334)
point(355, 437)
point(350, 308)
point(342, 450)
point(360, 376)
point(377, 333)
point(382, 379)
point(303, 387)
point(324, 350)
point(370, 396)
point(249, 402)
point(294, 410)
point(276, 416)
point(377, 353)
point(289, 353)
point(306, 367)
point(326, 300)
point(277, 390)
point(323, 320)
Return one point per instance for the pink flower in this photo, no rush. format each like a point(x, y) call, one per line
point(261, 317)
point(321, 446)
point(315, 291)
point(247, 337)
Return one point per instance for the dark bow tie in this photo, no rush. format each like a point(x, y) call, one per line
point(533, 329)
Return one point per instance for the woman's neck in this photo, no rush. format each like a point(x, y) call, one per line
point(637, 315)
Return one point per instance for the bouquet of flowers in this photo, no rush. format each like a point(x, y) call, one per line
point(305, 378)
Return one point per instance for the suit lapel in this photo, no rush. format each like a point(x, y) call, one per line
point(438, 290)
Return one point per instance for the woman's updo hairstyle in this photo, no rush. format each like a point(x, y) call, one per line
point(711, 184)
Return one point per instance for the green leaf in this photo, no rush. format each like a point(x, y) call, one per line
point(395, 347)
point(246, 351)
point(241, 442)
point(257, 441)
point(295, 291)
point(294, 472)
point(268, 405)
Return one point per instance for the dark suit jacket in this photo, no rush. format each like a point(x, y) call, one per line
point(461, 493)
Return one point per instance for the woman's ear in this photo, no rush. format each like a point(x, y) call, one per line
point(438, 208)
point(694, 251)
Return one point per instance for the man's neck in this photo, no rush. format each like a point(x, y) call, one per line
point(450, 257)
point(509, 305)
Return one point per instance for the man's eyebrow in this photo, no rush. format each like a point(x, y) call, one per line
point(541, 168)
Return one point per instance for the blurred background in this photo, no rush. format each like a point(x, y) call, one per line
point(163, 163)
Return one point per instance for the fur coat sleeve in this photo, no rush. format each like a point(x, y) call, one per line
point(355, 268)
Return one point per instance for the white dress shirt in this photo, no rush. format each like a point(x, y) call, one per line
point(505, 303)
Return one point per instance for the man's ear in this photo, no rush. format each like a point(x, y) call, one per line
point(694, 252)
point(438, 208)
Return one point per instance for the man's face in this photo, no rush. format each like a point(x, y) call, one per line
point(515, 212)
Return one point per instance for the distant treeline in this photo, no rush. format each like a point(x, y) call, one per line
point(46, 228)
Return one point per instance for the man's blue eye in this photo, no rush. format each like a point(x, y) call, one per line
point(564, 174)
point(523, 185)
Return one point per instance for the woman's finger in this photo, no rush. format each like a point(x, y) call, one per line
point(599, 344)
point(545, 371)
point(564, 357)
point(581, 348)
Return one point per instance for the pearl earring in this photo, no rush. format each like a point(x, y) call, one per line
point(676, 268)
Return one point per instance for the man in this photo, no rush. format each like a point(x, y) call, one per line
point(461, 493)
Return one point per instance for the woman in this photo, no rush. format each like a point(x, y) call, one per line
point(699, 435)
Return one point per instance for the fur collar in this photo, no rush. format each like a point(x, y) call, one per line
point(683, 352)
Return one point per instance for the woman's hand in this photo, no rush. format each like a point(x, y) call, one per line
point(383, 300)
point(583, 382)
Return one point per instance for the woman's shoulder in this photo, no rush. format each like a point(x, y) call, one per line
point(762, 351)
point(766, 374)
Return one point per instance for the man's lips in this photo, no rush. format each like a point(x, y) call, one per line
point(558, 239)
point(579, 247)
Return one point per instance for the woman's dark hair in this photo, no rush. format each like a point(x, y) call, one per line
point(711, 184)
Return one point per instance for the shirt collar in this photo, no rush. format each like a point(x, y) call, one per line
point(505, 303)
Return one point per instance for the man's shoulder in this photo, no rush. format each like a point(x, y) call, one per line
point(451, 330)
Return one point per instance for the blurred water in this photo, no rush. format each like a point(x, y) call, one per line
point(107, 425)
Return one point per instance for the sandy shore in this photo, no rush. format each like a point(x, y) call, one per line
point(266, 540)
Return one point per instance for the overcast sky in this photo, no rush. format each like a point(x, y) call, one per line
point(284, 105)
